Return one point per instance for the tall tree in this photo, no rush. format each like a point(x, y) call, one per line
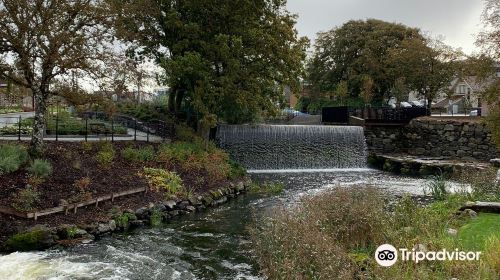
point(489, 41)
point(354, 50)
point(427, 66)
point(41, 40)
point(228, 59)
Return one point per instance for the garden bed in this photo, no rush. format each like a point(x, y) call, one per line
point(85, 171)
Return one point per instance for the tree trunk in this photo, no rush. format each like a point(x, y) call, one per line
point(171, 101)
point(36, 144)
point(178, 100)
point(429, 106)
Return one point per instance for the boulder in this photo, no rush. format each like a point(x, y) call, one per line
point(170, 204)
point(452, 232)
point(489, 207)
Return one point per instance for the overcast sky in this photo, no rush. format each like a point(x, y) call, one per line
point(457, 20)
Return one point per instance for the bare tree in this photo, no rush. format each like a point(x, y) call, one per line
point(41, 40)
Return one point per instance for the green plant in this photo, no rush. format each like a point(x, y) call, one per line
point(105, 157)
point(26, 199)
point(436, 187)
point(185, 133)
point(26, 241)
point(71, 232)
point(163, 180)
point(237, 170)
point(123, 220)
point(140, 155)
point(11, 158)
point(40, 168)
point(267, 188)
point(156, 217)
point(87, 146)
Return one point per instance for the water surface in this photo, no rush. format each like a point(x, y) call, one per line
point(210, 245)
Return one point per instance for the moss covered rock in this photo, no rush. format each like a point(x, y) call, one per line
point(36, 239)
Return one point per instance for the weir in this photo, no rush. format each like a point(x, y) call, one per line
point(278, 147)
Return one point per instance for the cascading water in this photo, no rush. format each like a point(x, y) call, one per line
point(275, 147)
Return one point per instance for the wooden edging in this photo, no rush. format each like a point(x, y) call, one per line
point(74, 206)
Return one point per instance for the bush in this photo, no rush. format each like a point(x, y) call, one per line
point(11, 158)
point(106, 154)
point(313, 240)
point(208, 165)
point(40, 168)
point(139, 155)
point(163, 180)
point(26, 199)
point(185, 133)
point(237, 170)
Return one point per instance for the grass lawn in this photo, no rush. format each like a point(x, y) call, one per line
point(474, 234)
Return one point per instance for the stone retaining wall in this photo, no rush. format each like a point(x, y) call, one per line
point(433, 137)
point(42, 237)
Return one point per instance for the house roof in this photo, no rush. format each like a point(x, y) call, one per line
point(448, 101)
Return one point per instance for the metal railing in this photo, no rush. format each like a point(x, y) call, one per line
point(372, 114)
point(89, 125)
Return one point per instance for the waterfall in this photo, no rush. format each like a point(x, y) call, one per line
point(277, 147)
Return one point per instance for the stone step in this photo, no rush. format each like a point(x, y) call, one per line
point(488, 207)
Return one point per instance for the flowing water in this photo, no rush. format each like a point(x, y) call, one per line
point(210, 245)
point(215, 244)
point(276, 147)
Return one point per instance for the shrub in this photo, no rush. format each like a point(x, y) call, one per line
point(106, 154)
point(163, 180)
point(208, 165)
point(82, 185)
point(313, 240)
point(26, 199)
point(185, 133)
point(140, 155)
point(87, 146)
point(40, 168)
point(11, 158)
point(237, 170)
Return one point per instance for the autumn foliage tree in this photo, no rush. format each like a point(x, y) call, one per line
point(226, 59)
point(41, 40)
point(489, 41)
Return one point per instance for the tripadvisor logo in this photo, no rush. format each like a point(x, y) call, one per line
point(387, 255)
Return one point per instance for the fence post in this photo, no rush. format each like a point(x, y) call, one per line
point(135, 130)
point(86, 128)
point(57, 126)
point(112, 129)
point(19, 130)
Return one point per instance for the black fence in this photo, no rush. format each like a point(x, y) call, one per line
point(89, 125)
point(372, 114)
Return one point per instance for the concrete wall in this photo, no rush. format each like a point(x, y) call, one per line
point(432, 137)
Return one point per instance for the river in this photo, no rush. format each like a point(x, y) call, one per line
point(209, 245)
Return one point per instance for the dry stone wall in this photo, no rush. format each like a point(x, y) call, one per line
point(429, 137)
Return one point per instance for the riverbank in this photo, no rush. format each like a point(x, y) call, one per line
point(89, 189)
point(212, 244)
point(338, 232)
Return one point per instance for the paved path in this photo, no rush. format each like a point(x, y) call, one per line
point(12, 119)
